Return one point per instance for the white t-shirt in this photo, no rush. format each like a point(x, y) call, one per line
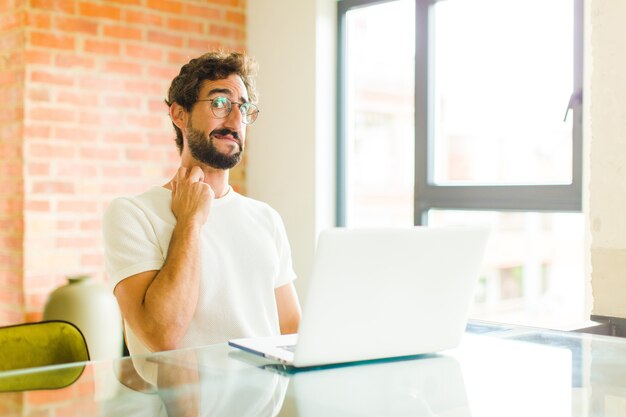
point(245, 255)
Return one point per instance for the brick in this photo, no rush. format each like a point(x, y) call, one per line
point(32, 317)
point(210, 13)
point(74, 61)
point(123, 32)
point(123, 188)
point(37, 168)
point(144, 52)
point(77, 170)
point(10, 21)
point(11, 278)
point(40, 95)
point(34, 131)
point(146, 121)
point(37, 205)
point(9, 151)
point(78, 25)
point(158, 106)
point(225, 2)
point(161, 139)
point(64, 6)
point(52, 115)
point(121, 171)
point(168, 6)
point(185, 25)
point(236, 18)
point(94, 259)
point(101, 11)
point(10, 95)
point(166, 73)
point(11, 77)
point(39, 20)
point(10, 169)
point(142, 18)
point(55, 41)
point(101, 83)
point(102, 47)
point(204, 44)
point(52, 187)
point(38, 57)
point(145, 88)
point(77, 206)
point(132, 102)
point(76, 242)
point(127, 2)
point(103, 154)
point(89, 225)
point(144, 154)
point(165, 39)
point(51, 151)
point(10, 297)
point(122, 67)
point(226, 32)
point(11, 242)
point(74, 134)
point(11, 115)
point(65, 225)
point(78, 98)
point(51, 78)
point(179, 59)
point(123, 137)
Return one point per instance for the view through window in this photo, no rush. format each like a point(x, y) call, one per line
point(498, 93)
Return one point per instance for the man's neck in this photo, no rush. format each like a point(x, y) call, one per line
point(216, 178)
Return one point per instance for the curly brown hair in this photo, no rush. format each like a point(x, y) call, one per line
point(211, 66)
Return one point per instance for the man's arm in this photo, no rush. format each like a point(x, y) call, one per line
point(159, 305)
point(288, 308)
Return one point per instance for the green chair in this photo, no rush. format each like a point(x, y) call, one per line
point(25, 348)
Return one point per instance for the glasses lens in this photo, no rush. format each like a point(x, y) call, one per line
point(249, 112)
point(221, 106)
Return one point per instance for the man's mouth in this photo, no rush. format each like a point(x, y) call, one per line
point(226, 134)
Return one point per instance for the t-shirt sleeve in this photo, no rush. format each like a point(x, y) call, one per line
point(286, 274)
point(130, 243)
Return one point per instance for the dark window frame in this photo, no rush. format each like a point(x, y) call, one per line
point(427, 195)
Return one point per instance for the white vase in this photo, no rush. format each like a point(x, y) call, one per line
point(92, 308)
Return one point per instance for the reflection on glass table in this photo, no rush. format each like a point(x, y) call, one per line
point(498, 370)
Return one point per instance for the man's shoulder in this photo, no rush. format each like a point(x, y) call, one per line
point(254, 205)
point(155, 199)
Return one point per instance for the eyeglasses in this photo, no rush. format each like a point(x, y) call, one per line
point(222, 106)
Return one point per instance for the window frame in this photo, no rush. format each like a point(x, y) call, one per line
point(427, 194)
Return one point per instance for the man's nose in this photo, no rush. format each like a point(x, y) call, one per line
point(235, 118)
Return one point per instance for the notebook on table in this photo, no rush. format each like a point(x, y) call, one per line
point(382, 293)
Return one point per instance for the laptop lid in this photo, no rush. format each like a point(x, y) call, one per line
point(382, 293)
point(387, 292)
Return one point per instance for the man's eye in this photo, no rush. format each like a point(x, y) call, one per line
point(220, 102)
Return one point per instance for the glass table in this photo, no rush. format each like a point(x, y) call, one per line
point(497, 370)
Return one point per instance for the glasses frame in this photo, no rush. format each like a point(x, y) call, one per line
point(244, 116)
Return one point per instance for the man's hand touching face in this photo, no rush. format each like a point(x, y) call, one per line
point(191, 197)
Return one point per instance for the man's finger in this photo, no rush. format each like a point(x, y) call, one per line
point(196, 174)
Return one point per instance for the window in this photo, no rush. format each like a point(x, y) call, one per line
point(459, 111)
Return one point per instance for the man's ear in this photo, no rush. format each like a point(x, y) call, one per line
point(179, 115)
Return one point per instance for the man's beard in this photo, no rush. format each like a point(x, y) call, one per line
point(204, 150)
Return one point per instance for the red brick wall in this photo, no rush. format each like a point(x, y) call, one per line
point(12, 43)
point(95, 74)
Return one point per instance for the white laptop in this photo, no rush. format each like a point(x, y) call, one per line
point(382, 293)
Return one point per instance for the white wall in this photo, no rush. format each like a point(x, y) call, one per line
point(290, 152)
point(607, 160)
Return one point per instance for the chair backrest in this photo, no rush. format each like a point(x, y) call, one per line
point(33, 345)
